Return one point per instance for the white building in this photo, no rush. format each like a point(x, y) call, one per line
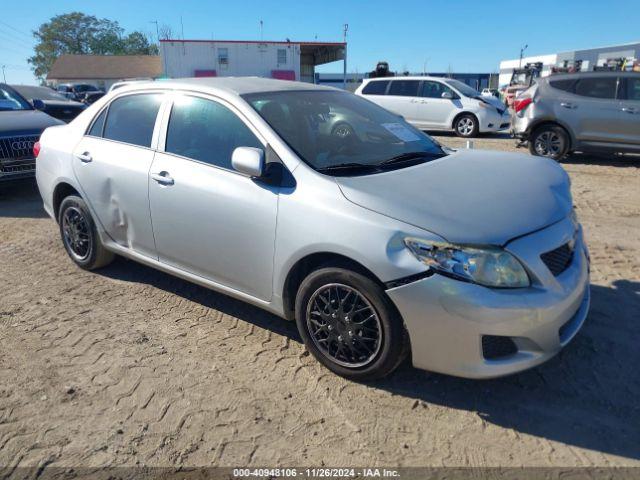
point(590, 58)
point(224, 58)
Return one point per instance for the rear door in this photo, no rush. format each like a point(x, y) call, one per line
point(630, 110)
point(592, 110)
point(112, 164)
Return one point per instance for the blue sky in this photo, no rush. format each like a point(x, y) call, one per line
point(466, 36)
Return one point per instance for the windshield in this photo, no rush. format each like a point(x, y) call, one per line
point(463, 88)
point(10, 100)
point(42, 93)
point(330, 129)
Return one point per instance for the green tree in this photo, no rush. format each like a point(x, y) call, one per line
point(77, 33)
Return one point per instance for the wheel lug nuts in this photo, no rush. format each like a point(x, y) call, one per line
point(340, 338)
point(329, 327)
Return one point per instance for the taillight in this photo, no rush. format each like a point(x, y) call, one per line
point(522, 103)
point(36, 149)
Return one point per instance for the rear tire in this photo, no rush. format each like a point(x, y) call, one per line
point(79, 235)
point(549, 141)
point(338, 313)
point(466, 126)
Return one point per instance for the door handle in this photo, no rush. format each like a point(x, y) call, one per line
point(629, 110)
point(85, 157)
point(163, 178)
point(567, 105)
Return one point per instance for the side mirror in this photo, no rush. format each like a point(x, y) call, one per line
point(38, 104)
point(447, 95)
point(249, 161)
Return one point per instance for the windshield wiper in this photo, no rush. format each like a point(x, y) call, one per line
point(347, 167)
point(408, 157)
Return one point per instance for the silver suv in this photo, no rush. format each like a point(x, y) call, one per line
point(586, 112)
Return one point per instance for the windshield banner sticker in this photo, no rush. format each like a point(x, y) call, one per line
point(402, 132)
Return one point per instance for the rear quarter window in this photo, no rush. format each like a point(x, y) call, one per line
point(375, 88)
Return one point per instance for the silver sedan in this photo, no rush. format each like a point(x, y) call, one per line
point(380, 243)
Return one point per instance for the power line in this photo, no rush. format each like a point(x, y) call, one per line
point(16, 30)
point(5, 37)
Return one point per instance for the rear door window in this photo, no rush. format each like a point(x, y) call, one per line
point(375, 88)
point(131, 119)
point(597, 87)
point(404, 88)
point(564, 85)
point(632, 89)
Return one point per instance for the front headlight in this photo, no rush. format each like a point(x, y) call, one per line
point(488, 266)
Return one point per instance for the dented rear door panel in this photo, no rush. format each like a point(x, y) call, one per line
point(115, 183)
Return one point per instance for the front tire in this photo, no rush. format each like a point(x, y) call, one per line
point(549, 141)
point(349, 325)
point(466, 126)
point(79, 235)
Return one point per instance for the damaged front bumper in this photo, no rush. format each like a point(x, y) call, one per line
point(453, 325)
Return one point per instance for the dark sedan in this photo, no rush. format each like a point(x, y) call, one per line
point(20, 128)
point(55, 104)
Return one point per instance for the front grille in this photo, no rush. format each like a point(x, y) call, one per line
point(558, 260)
point(495, 347)
point(17, 148)
point(16, 168)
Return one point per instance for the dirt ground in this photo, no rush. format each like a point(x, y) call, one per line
point(129, 366)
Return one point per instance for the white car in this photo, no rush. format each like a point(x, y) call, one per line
point(433, 103)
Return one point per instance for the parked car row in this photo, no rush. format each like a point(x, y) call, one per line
point(80, 92)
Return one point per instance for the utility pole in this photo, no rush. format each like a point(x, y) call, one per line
point(261, 30)
point(164, 53)
point(344, 70)
point(184, 52)
point(3, 75)
point(521, 52)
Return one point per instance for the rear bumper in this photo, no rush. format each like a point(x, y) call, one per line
point(447, 319)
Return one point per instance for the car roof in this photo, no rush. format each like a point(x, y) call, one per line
point(576, 75)
point(229, 85)
point(412, 77)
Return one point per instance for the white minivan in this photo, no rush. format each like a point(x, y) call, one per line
point(433, 103)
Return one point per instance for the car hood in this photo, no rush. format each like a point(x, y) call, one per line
point(491, 100)
point(470, 196)
point(25, 121)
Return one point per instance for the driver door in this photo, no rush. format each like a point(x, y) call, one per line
point(208, 219)
point(433, 110)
